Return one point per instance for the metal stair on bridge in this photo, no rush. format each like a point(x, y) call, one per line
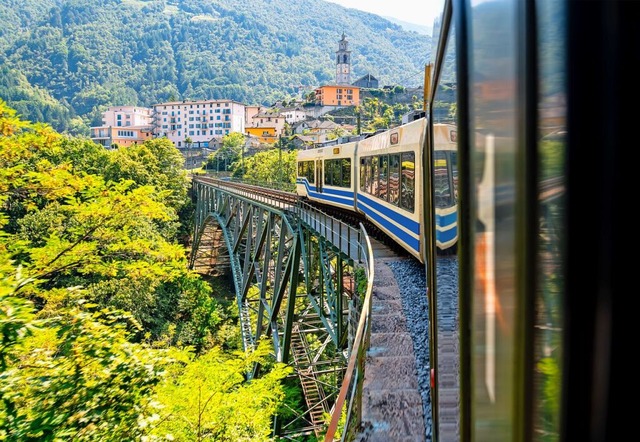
point(311, 388)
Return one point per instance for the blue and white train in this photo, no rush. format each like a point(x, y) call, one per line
point(380, 177)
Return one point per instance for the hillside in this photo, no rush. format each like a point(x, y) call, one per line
point(67, 58)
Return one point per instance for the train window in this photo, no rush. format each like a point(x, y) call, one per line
point(311, 171)
point(441, 187)
point(407, 198)
point(363, 173)
point(394, 179)
point(305, 170)
point(336, 171)
point(374, 176)
point(382, 177)
point(346, 172)
point(549, 319)
point(454, 173)
point(369, 181)
point(328, 172)
point(367, 175)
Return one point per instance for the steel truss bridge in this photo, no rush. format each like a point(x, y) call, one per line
point(303, 280)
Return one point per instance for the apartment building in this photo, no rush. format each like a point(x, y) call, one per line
point(205, 122)
point(338, 95)
point(109, 136)
point(126, 116)
point(123, 126)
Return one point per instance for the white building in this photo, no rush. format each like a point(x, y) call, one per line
point(126, 116)
point(123, 126)
point(202, 121)
point(294, 114)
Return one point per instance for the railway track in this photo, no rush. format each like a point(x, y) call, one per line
point(385, 246)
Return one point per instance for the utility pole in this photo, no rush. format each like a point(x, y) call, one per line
point(280, 158)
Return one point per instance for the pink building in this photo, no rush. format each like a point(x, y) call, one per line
point(124, 126)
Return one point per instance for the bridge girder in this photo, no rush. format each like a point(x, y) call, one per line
point(292, 285)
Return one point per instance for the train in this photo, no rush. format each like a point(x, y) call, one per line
point(539, 93)
point(380, 177)
point(541, 127)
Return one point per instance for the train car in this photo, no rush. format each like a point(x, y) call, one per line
point(325, 175)
point(445, 185)
point(389, 189)
point(529, 347)
point(385, 170)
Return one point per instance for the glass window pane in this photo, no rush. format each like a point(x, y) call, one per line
point(548, 335)
point(374, 176)
point(382, 177)
point(368, 178)
point(328, 172)
point(311, 171)
point(394, 179)
point(337, 173)
point(494, 78)
point(346, 172)
point(408, 181)
point(441, 187)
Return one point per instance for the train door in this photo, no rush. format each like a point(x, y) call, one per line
point(319, 178)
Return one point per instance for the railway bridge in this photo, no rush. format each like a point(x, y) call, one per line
point(302, 280)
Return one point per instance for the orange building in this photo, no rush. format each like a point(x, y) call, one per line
point(263, 134)
point(338, 95)
point(107, 136)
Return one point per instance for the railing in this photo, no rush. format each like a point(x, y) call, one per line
point(354, 376)
point(349, 240)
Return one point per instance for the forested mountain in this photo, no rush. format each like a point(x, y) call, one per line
point(61, 59)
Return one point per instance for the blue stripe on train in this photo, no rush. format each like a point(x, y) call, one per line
point(342, 197)
point(446, 235)
point(405, 237)
point(410, 224)
point(445, 220)
point(327, 193)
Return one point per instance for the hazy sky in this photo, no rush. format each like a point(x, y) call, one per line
point(420, 12)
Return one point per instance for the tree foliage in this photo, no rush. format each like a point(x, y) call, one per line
point(210, 399)
point(271, 166)
point(97, 302)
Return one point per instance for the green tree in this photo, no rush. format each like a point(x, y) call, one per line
point(210, 398)
point(230, 151)
point(97, 303)
point(268, 166)
point(80, 378)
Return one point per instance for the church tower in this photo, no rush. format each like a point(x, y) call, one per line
point(343, 62)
